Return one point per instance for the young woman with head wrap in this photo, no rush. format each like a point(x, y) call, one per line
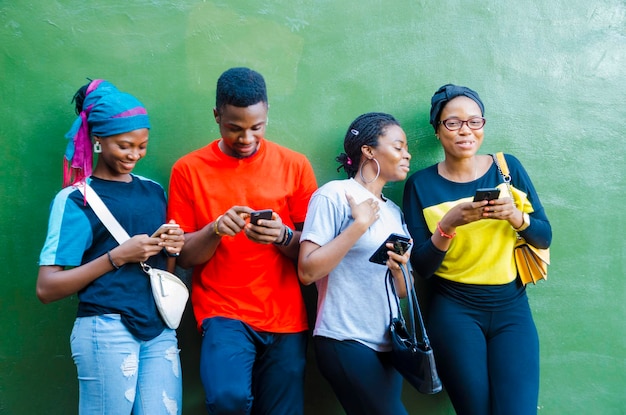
point(480, 324)
point(126, 357)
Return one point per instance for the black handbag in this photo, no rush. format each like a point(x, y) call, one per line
point(412, 357)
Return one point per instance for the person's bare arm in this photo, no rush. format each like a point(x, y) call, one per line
point(54, 282)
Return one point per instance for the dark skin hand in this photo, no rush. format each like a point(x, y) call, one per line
point(464, 213)
point(316, 261)
point(54, 282)
point(201, 245)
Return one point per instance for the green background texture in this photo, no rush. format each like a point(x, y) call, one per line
point(551, 75)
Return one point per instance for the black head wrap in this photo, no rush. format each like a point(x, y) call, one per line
point(445, 94)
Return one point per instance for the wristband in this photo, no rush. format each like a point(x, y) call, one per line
point(111, 260)
point(286, 238)
point(289, 236)
point(442, 233)
point(216, 224)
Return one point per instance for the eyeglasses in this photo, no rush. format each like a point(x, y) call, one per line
point(454, 124)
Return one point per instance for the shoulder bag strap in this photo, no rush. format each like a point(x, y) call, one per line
point(103, 213)
point(503, 168)
point(413, 309)
point(501, 163)
point(388, 282)
point(106, 217)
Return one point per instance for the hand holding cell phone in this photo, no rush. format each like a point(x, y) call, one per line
point(255, 215)
point(487, 194)
point(173, 243)
point(164, 229)
point(401, 244)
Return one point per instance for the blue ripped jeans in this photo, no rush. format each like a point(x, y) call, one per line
point(118, 373)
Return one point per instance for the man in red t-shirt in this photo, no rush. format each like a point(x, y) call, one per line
point(245, 290)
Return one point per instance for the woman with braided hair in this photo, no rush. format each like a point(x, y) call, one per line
point(347, 220)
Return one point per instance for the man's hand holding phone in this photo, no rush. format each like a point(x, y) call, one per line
point(268, 230)
point(256, 215)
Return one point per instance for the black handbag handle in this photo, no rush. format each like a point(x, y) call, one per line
point(414, 308)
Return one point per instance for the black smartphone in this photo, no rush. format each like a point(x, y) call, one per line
point(486, 194)
point(401, 244)
point(260, 214)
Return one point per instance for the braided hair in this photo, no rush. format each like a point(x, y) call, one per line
point(240, 87)
point(364, 131)
point(79, 97)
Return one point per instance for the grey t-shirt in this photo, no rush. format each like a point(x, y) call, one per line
point(352, 301)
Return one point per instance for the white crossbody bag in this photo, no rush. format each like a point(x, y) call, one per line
point(169, 292)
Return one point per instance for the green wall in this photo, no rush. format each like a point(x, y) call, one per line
point(551, 74)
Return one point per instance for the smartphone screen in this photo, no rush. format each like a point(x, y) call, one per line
point(491, 193)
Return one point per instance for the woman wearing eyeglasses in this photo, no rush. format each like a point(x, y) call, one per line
point(480, 324)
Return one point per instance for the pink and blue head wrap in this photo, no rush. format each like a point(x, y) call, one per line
point(445, 94)
point(105, 112)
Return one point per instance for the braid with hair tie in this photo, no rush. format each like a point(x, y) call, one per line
point(363, 131)
point(345, 161)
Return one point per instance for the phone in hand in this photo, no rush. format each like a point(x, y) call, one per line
point(491, 193)
point(260, 214)
point(164, 228)
point(401, 244)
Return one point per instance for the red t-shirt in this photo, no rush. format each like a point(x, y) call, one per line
point(244, 280)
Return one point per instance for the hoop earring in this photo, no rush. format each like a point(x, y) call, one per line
point(97, 148)
point(377, 170)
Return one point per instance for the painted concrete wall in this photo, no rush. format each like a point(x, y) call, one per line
point(551, 74)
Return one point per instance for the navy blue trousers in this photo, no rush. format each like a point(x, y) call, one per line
point(488, 361)
point(248, 372)
point(364, 380)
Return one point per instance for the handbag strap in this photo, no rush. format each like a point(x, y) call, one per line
point(413, 307)
point(389, 282)
point(106, 217)
point(501, 163)
point(103, 213)
point(503, 168)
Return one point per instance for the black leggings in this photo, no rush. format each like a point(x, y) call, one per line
point(488, 361)
point(364, 380)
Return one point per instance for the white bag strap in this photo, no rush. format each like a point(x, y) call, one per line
point(103, 213)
